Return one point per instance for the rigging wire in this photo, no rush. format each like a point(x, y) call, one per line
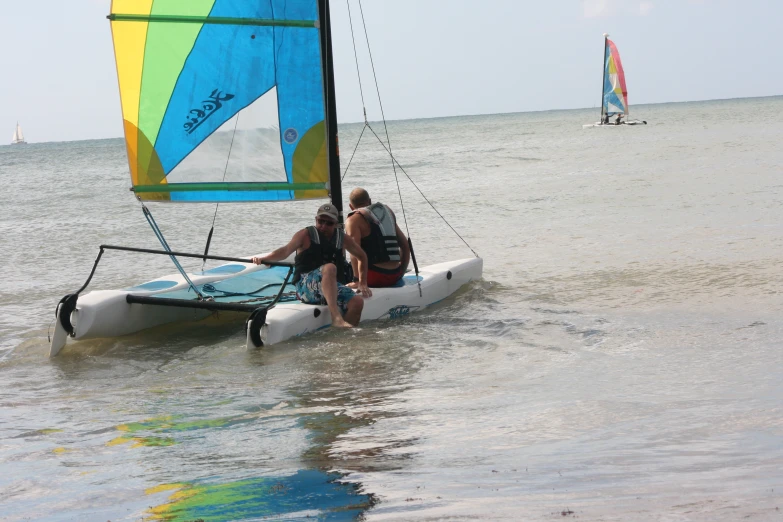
point(217, 205)
point(395, 163)
point(383, 117)
point(420, 192)
point(361, 90)
point(355, 148)
point(356, 58)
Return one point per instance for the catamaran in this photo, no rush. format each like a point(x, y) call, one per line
point(614, 94)
point(18, 138)
point(199, 79)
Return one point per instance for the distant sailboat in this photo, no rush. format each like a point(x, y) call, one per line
point(18, 138)
point(614, 94)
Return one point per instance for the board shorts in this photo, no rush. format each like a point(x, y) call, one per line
point(308, 290)
point(381, 277)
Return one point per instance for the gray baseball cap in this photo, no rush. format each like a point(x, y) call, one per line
point(328, 210)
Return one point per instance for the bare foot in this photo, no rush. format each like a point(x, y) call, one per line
point(339, 322)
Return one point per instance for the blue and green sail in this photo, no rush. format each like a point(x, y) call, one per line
point(194, 76)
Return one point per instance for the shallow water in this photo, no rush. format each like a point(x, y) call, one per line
point(620, 360)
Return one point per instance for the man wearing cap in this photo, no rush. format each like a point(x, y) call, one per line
point(375, 228)
point(319, 267)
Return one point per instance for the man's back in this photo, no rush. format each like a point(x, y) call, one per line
point(374, 226)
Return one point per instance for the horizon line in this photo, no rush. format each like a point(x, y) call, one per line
point(460, 116)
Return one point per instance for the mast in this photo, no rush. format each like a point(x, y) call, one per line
point(332, 146)
point(603, 75)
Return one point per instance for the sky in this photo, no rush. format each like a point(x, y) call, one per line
point(433, 58)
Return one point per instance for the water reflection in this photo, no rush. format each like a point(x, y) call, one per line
point(359, 377)
point(184, 419)
point(308, 494)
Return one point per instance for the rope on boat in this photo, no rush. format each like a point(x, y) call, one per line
point(217, 205)
point(284, 298)
point(68, 303)
point(209, 288)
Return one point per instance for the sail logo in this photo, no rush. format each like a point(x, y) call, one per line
point(290, 135)
point(208, 107)
point(399, 311)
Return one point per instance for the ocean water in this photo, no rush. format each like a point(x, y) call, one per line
point(621, 359)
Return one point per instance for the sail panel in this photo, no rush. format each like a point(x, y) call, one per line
point(615, 92)
point(168, 47)
point(192, 83)
point(129, 42)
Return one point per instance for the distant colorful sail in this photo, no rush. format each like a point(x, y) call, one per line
point(615, 92)
point(222, 100)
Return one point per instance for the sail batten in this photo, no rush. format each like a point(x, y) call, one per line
point(216, 20)
point(195, 187)
point(217, 93)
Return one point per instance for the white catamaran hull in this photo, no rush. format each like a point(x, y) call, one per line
point(599, 124)
point(437, 283)
point(106, 313)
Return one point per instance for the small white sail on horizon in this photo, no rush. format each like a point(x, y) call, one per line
point(18, 138)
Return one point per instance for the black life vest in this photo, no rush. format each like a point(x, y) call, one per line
point(381, 245)
point(321, 252)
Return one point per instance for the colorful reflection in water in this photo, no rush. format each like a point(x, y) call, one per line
point(306, 495)
point(169, 423)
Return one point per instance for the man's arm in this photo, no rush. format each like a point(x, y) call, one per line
point(358, 254)
point(284, 251)
point(354, 231)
